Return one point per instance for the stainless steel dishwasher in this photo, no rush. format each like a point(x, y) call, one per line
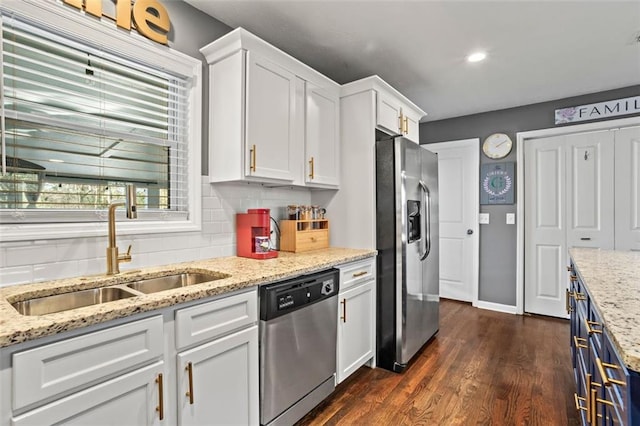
point(298, 326)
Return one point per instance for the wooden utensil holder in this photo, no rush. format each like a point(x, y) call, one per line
point(304, 235)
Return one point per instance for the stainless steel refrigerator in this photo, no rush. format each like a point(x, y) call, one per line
point(407, 243)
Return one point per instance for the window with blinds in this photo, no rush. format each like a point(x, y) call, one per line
point(79, 123)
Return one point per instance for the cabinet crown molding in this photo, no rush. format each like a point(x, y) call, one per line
point(242, 39)
point(376, 83)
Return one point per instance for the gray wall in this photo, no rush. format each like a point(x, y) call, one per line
point(498, 240)
point(190, 30)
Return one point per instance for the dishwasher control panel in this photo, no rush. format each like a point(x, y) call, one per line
point(285, 301)
point(280, 298)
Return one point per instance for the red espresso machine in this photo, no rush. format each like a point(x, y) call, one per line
point(253, 234)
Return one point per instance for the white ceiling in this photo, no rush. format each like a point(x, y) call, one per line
point(537, 51)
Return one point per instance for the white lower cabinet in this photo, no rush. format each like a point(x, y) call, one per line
point(194, 364)
point(131, 399)
point(218, 381)
point(356, 318)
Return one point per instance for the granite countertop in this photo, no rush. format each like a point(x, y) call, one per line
point(16, 328)
point(613, 280)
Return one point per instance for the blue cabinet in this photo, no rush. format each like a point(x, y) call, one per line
point(607, 393)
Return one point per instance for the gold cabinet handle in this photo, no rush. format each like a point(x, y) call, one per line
point(593, 415)
point(606, 380)
point(569, 268)
point(344, 310)
point(573, 277)
point(311, 173)
point(400, 127)
point(405, 125)
point(591, 330)
point(567, 305)
point(359, 274)
point(190, 373)
point(594, 406)
point(580, 342)
point(160, 407)
point(579, 296)
point(252, 162)
point(578, 399)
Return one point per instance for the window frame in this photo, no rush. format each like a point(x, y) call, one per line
point(69, 22)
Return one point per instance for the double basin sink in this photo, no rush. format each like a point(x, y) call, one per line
point(95, 296)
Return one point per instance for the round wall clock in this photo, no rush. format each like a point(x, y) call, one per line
point(497, 145)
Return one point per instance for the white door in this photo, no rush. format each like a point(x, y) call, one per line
point(545, 233)
point(271, 119)
point(627, 182)
point(356, 334)
point(222, 386)
point(322, 139)
point(568, 192)
point(458, 180)
point(389, 113)
point(590, 190)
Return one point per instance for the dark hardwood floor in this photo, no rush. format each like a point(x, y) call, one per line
point(482, 368)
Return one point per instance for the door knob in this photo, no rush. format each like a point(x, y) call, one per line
point(469, 231)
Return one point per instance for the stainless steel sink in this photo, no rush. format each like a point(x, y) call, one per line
point(153, 285)
point(66, 301)
point(78, 299)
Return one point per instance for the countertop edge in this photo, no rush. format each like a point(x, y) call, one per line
point(16, 328)
point(590, 264)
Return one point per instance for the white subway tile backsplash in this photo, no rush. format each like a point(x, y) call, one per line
point(211, 203)
point(71, 250)
point(147, 244)
point(56, 270)
point(207, 216)
point(42, 260)
point(16, 275)
point(94, 266)
point(211, 228)
point(30, 254)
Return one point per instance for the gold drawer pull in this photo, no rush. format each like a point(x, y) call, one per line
point(606, 380)
point(344, 310)
point(594, 406)
point(359, 274)
point(591, 330)
point(190, 392)
point(573, 277)
point(578, 399)
point(579, 296)
point(580, 342)
point(567, 304)
point(569, 268)
point(160, 407)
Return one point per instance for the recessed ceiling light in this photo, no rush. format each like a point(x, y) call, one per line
point(476, 57)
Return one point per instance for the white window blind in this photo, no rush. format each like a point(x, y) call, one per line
point(79, 123)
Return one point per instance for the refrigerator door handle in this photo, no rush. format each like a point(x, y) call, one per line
point(426, 199)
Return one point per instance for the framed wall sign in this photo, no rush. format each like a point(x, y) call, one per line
point(497, 183)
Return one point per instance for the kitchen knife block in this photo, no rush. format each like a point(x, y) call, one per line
point(304, 235)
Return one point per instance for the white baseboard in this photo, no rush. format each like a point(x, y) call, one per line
point(498, 307)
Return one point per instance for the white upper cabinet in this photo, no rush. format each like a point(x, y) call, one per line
point(395, 114)
point(271, 118)
point(322, 139)
point(389, 113)
point(270, 121)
